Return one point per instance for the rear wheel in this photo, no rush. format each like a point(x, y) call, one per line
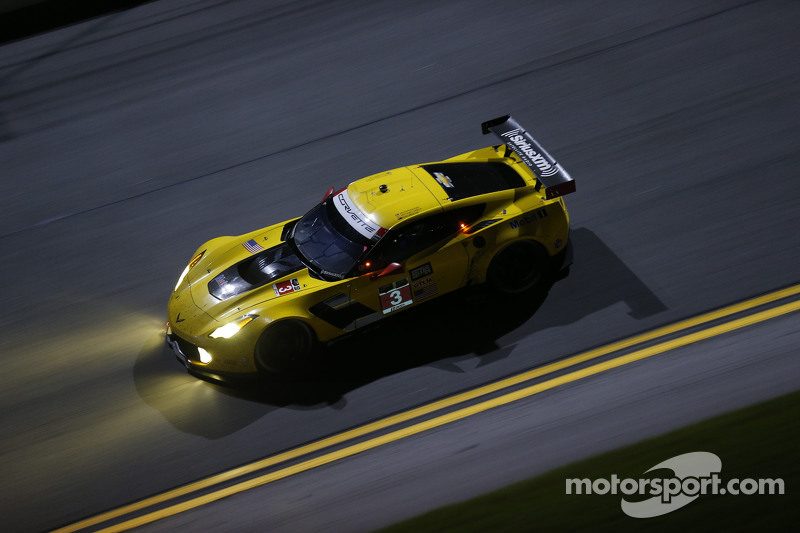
point(518, 267)
point(288, 345)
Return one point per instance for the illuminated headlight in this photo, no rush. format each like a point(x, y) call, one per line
point(231, 328)
point(205, 357)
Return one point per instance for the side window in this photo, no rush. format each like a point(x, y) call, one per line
point(401, 243)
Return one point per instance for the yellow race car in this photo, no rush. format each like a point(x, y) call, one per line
point(265, 301)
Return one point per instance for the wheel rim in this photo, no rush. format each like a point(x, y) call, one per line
point(517, 268)
point(283, 347)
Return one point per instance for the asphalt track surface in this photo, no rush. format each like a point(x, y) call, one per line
point(128, 139)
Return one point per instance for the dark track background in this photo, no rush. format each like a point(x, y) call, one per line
point(129, 139)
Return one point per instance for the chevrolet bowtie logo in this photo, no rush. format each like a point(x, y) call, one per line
point(179, 319)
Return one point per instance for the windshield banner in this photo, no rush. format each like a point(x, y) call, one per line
point(356, 217)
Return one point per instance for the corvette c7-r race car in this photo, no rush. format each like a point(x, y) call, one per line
point(264, 301)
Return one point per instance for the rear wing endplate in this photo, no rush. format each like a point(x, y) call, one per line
point(549, 173)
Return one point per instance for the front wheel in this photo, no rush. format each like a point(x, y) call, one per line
point(286, 346)
point(518, 267)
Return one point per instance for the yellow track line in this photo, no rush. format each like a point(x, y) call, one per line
point(454, 416)
point(431, 407)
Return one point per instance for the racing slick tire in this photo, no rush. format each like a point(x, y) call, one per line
point(286, 346)
point(518, 267)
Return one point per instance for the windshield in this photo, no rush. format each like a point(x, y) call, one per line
point(327, 242)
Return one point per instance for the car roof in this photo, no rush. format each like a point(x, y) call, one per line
point(390, 197)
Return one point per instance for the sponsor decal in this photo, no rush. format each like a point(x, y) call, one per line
point(330, 274)
point(407, 213)
point(443, 179)
point(395, 296)
point(527, 218)
point(253, 247)
point(285, 287)
point(356, 217)
point(421, 271)
point(530, 153)
point(424, 289)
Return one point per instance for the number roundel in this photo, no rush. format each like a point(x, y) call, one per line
point(395, 296)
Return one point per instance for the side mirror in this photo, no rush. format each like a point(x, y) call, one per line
point(328, 193)
point(391, 268)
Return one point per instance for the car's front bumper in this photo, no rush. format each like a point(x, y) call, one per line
point(172, 342)
point(187, 355)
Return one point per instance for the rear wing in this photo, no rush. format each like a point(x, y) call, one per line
point(557, 182)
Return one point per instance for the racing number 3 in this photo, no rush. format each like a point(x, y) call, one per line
point(395, 296)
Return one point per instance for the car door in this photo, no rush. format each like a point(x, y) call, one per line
point(432, 261)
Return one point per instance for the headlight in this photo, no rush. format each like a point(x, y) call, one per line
point(205, 357)
point(231, 328)
point(196, 259)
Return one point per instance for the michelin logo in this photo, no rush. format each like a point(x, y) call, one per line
point(526, 149)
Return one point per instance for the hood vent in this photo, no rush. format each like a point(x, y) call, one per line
point(254, 271)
